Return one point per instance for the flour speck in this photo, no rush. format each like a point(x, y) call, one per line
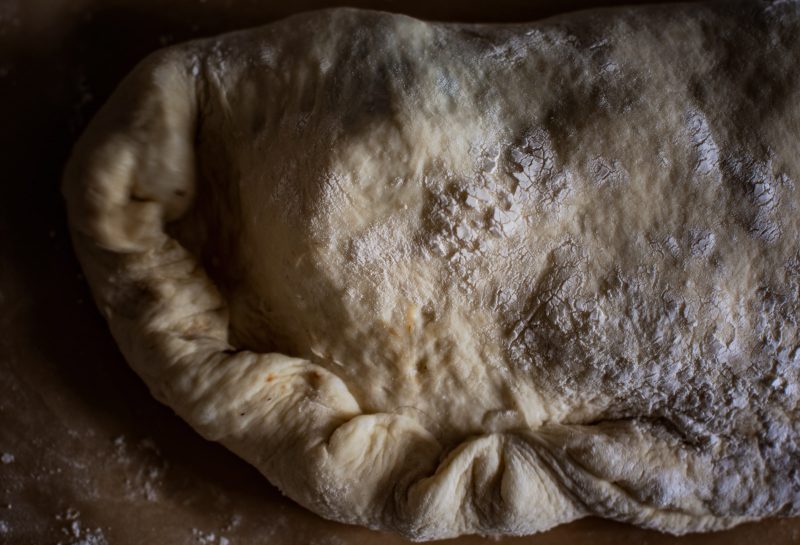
point(208, 538)
point(76, 533)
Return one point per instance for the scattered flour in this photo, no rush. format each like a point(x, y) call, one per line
point(210, 538)
point(143, 466)
point(76, 533)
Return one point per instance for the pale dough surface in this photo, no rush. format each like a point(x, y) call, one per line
point(444, 279)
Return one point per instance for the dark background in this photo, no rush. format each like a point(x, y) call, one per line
point(86, 455)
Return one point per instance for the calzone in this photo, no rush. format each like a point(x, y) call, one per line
point(442, 279)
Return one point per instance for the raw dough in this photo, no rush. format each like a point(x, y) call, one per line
point(447, 278)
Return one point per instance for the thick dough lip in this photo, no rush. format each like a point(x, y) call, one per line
point(298, 422)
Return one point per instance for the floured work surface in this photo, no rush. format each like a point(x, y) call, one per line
point(532, 273)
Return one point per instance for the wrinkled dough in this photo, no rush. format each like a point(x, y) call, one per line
point(444, 279)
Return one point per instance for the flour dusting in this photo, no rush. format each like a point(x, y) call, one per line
point(76, 533)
